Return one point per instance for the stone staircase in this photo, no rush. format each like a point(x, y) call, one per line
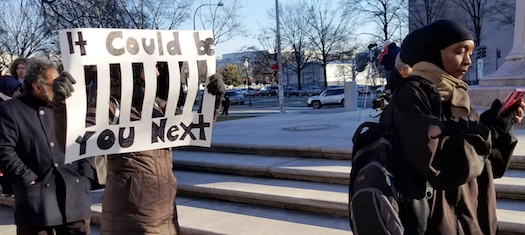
point(236, 189)
point(233, 189)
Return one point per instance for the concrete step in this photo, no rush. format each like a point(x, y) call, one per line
point(511, 186)
point(324, 198)
point(201, 216)
point(299, 168)
point(517, 161)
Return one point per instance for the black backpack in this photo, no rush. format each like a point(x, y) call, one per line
point(373, 197)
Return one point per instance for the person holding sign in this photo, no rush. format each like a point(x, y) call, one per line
point(139, 196)
point(51, 197)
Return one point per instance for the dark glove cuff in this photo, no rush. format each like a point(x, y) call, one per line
point(502, 125)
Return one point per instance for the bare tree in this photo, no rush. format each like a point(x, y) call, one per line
point(424, 12)
point(267, 39)
point(62, 14)
point(262, 66)
point(140, 14)
point(294, 31)
point(331, 29)
point(502, 12)
point(383, 13)
point(476, 10)
point(23, 33)
point(224, 21)
point(158, 14)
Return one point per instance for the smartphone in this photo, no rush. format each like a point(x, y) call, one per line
point(512, 101)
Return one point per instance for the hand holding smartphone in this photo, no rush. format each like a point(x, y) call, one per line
point(512, 101)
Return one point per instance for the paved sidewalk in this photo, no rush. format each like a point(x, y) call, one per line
point(317, 130)
point(323, 130)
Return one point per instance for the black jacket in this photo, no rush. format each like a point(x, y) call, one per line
point(455, 155)
point(28, 152)
point(389, 60)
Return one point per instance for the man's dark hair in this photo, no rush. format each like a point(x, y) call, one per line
point(35, 72)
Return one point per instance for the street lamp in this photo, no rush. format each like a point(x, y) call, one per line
point(248, 82)
point(220, 4)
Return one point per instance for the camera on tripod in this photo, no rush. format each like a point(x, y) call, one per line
point(371, 45)
point(380, 102)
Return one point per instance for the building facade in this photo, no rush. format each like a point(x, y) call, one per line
point(497, 31)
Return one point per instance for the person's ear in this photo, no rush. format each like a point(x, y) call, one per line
point(37, 89)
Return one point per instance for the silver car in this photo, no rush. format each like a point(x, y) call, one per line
point(235, 97)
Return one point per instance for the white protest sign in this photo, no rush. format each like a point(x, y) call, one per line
point(107, 49)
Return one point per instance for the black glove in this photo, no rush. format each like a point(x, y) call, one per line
point(63, 86)
point(498, 125)
point(216, 85)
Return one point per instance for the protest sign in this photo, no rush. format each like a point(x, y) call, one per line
point(103, 56)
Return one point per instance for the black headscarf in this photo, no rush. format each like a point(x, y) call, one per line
point(426, 43)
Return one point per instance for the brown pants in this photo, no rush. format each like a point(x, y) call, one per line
point(81, 227)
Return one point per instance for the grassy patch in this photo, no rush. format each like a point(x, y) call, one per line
point(221, 118)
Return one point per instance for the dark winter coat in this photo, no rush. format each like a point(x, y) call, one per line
point(28, 152)
point(389, 60)
point(454, 155)
point(140, 194)
point(139, 197)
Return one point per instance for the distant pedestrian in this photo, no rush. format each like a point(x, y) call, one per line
point(225, 104)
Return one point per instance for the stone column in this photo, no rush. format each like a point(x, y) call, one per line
point(512, 72)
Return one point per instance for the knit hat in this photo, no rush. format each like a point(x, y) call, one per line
point(399, 63)
point(426, 43)
point(9, 85)
point(386, 43)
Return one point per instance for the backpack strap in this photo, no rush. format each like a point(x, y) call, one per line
point(361, 128)
point(432, 95)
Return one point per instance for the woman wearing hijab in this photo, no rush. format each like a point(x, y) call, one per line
point(445, 144)
point(9, 88)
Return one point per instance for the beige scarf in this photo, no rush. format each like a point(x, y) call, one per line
point(450, 88)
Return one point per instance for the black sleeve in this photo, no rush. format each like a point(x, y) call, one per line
point(446, 159)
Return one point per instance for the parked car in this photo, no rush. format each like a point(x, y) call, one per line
point(312, 90)
point(251, 92)
point(235, 97)
point(274, 90)
point(242, 91)
point(265, 91)
point(327, 97)
point(331, 87)
point(289, 91)
point(246, 92)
